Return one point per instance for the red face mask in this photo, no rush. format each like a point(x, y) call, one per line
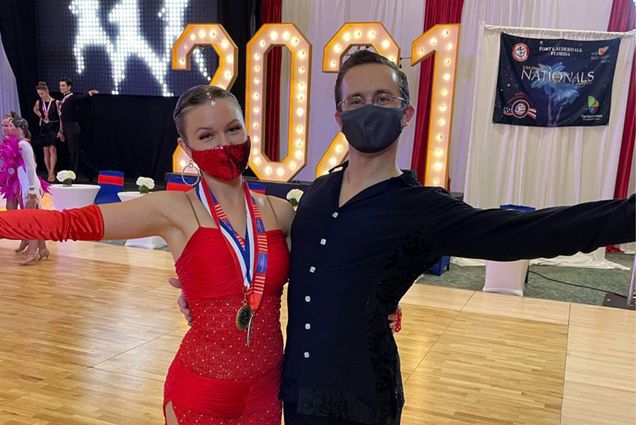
point(225, 162)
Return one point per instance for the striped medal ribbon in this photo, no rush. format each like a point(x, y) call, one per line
point(249, 253)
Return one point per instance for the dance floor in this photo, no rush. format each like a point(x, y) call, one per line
point(86, 338)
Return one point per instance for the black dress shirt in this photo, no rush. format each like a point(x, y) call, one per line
point(352, 264)
point(70, 107)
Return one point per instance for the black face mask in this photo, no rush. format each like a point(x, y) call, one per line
point(371, 129)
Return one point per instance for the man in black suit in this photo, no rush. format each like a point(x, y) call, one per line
point(69, 129)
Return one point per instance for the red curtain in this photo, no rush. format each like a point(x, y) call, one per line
point(272, 13)
point(436, 12)
point(622, 18)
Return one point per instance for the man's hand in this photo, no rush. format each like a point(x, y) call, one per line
point(395, 320)
point(181, 301)
point(93, 92)
point(60, 136)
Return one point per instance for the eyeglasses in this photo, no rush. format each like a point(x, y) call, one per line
point(383, 100)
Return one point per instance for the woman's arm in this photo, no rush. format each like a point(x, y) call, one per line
point(26, 150)
point(125, 220)
point(148, 215)
point(85, 224)
point(36, 110)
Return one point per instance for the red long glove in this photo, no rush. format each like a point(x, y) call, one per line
point(86, 224)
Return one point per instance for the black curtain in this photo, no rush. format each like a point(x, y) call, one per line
point(133, 134)
point(19, 36)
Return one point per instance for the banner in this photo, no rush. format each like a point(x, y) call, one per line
point(554, 82)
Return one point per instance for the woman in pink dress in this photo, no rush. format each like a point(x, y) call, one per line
point(19, 182)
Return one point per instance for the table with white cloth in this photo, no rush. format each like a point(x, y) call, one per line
point(151, 242)
point(74, 196)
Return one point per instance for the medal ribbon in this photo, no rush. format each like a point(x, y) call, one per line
point(64, 100)
point(250, 256)
point(45, 108)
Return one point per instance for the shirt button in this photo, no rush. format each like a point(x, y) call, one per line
point(323, 241)
point(312, 269)
point(307, 298)
point(307, 326)
point(335, 214)
point(306, 354)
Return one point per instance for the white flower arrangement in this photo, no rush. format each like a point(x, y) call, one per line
point(146, 184)
point(293, 196)
point(66, 177)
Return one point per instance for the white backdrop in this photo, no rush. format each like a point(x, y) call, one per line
point(592, 15)
point(319, 20)
point(9, 100)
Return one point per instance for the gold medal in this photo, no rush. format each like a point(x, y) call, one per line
point(244, 317)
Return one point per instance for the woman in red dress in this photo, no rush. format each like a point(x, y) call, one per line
point(231, 257)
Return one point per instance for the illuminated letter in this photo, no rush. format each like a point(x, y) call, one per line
point(441, 40)
point(267, 36)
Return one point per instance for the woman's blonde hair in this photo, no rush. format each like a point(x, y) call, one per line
point(196, 96)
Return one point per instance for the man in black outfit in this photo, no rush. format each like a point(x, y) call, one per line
point(364, 233)
point(69, 128)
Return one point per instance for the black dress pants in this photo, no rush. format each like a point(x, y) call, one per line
point(72, 139)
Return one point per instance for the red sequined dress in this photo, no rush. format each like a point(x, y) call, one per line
point(215, 378)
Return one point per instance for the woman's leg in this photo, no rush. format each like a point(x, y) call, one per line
point(32, 254)
point(171, 417)
point(47, 159)
point(43, 250)
point(13, 205)
point(53, 163)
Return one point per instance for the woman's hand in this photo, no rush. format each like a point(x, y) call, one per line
point(32, 201)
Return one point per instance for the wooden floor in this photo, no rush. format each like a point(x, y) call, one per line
point(86, 338)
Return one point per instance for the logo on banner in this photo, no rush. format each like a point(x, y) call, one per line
point(520, 107)
point(592, 105)
point(600, 54)
point(520, 52)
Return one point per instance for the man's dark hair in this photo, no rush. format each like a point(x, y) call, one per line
point(67, 81)
point(362, 57)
